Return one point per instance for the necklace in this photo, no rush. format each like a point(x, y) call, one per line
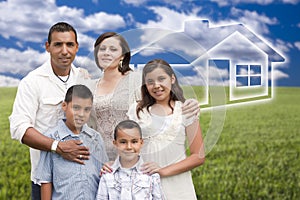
point(64, 81)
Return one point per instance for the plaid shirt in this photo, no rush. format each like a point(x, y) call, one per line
point(129, 184)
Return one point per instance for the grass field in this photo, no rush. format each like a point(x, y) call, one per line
point(256, 156)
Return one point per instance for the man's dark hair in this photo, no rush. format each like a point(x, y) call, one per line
point(80, 91)
point(61, 27)
point(127, 124)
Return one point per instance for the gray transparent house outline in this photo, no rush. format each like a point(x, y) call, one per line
point(249, 74)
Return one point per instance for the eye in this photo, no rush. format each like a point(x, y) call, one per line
point(57, 44)
point(70, 44)
point(135, 141)
point(161, 78)
point(149, 82)
point(113, 49)
point(102, 48)
point(87, 109)
point(76, 108)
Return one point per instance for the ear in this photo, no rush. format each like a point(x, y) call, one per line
point(115, 142)
point(142, 141)
point(173, 79)
point(47, 45)
point(77, 47)
point(64, 106)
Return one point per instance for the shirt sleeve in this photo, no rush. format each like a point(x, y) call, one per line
point(43, 173)
point(24, 109)
point(157, 192)
point(102, 193)
point(132, 112)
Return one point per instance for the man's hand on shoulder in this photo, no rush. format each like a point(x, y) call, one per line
point(73, 150)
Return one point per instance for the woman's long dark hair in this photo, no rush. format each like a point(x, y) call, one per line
point(125, 50)
point(147, 100)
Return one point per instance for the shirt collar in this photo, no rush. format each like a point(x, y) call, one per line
point(46, 69)
point(117, 165)
point(64, 131)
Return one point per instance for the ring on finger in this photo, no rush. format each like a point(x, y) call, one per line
point(80, 156)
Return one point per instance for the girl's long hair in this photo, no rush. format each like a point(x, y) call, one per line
point(176, 93)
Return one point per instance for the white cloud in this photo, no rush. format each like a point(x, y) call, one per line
point(169, 19)
point(257, 22)
point(260, 2)
point(20, 62)
point(30, 20)
point(8, 81)
point(297, 45)
point(135, 2)
point(277, 74)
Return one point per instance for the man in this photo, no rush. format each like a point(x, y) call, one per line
point(37, 106)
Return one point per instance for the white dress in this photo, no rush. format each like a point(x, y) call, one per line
point(165, 143)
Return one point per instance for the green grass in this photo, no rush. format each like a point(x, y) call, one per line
point(256, 156)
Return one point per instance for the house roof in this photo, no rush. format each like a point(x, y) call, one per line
point(208, 37)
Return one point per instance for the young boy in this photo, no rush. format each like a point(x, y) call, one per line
point(63, 179)
point(126, 180)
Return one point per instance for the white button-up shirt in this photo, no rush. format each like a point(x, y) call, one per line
point(38, 103)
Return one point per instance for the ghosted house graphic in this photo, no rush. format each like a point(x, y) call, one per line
point(231, 56)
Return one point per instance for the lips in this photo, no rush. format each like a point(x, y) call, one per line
point(158, 92)
point(79, 121)
point(65, 59)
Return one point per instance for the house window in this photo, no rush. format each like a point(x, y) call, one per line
point(248, 75)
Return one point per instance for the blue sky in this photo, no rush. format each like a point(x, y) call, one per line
point(24, 26)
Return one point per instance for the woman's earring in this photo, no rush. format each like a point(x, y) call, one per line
point(120, 65)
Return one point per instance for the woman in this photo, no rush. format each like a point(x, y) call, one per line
point(118, 88)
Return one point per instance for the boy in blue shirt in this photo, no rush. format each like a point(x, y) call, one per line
point(63, 179)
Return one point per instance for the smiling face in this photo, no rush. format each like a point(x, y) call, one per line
point(159, 84)
point(77, 113)
point(109, 53)
point(129, 144)
point(62, 49)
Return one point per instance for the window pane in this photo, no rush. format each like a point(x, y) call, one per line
point(241, 81)
point(255, 80)
point(241, 69)
point(255, 69)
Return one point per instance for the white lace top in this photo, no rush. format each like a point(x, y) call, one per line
point(112, 108)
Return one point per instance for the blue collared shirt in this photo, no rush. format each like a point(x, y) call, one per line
point(129, 184)
point(72, 180)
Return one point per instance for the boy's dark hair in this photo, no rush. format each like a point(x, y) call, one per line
point(61, 27)
point(127, 124)
point(80, 91)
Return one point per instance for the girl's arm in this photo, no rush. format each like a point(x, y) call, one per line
point(46, 191)
point(196, 157)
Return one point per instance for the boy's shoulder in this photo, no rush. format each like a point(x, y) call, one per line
point(92, 131)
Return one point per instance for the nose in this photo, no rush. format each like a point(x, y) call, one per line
point(64, 49)
point(80, 112)
point(129, 145)
point(156, 84)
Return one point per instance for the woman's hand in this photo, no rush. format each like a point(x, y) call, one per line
point(190, 108)
point(106, 168)
point(150, 168)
